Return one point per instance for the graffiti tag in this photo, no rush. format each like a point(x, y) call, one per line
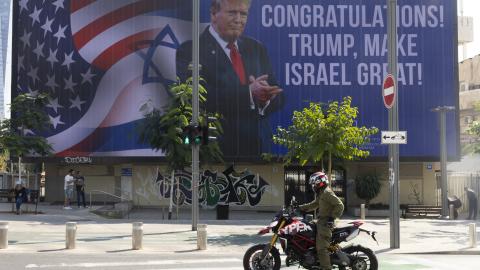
point(229, 187)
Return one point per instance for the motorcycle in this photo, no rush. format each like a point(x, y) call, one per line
point(297, 240)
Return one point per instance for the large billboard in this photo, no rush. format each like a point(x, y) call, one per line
point(102, 60)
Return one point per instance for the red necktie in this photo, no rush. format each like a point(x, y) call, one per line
point(237, 62)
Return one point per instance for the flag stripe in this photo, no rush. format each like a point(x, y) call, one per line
point(79, 4)
point(81, 18)
point(123, 48)
point(130, 27)
point(116, 115)
point(83, 36)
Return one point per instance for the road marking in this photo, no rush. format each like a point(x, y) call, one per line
point(209, 268)
point(122, 264)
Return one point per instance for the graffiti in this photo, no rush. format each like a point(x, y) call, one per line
point(229, 187)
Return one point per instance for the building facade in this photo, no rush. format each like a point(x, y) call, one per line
point(469, 84)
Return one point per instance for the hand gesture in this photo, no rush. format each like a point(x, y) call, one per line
point(261, 90)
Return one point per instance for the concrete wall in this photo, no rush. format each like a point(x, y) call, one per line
point(97, 177)
point(148, 187)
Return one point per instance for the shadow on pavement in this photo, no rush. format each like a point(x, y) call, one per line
point(234, 239)
point(52, 250)
point(187, 251)
point(119, 251)
point(384, 250)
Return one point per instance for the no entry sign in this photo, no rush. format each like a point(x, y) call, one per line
point(389, 91)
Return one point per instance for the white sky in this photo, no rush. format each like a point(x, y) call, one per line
point(471, 8)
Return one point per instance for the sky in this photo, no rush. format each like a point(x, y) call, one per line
point(472, 8)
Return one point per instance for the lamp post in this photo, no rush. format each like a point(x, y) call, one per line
point(195, 109)
point(443, 154)
point(393, 153)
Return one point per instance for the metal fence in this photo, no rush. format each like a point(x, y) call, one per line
point(458, 181)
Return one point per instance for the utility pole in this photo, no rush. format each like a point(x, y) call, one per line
point(393, 155)
point(195, 109)
point(443, 155)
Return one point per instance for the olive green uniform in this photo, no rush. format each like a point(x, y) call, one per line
point(329, 206)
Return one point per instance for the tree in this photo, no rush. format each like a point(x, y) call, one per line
point(163, 129)
point(17, 134)
point(317, 133)
point(473, 129)
point(367, 187)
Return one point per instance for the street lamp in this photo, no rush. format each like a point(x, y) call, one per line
point(443, 154)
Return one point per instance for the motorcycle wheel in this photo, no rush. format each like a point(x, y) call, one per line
point(362, 258)
point(252, 259)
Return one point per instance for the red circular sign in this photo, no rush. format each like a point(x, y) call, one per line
point(389, 90)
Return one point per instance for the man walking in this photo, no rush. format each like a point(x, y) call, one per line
point(68, 188)
point(80, 187)
point(472, 203)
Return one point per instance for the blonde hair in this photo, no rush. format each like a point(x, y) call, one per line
point(216, 5)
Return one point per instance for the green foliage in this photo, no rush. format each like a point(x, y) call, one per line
point(318, 132)
point(473, 129)
point(163, 129)
point(367, 187)
point(4, 156)
point(28, 114)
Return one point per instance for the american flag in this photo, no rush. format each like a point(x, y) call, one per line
point(100, 61)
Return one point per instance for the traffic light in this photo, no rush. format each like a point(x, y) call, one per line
point(192, 135)
point(197, 134)
point(186, 135)
point(207, 129)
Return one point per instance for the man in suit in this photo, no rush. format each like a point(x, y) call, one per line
point(238, 77)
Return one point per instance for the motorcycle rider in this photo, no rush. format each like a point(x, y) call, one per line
point(329, 207)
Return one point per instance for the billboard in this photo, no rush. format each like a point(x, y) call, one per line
point(102, 60)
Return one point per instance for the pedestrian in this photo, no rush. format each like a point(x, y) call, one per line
point(20, 196)
point(68, 188)
point(472, 203)
point(80, 187)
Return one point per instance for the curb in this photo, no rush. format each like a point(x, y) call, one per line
point(451, 252)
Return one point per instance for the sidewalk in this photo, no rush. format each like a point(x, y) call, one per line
point(46, 232)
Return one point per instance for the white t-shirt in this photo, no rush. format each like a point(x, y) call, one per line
point(69, 180)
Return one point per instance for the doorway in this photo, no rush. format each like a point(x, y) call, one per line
point(296, 184)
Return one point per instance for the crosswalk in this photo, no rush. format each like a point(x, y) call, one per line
point(177, 264)
point(203, 261)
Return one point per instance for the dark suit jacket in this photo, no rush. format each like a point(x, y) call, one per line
point(246, 133)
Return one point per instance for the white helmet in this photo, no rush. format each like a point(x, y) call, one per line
point(318, 180)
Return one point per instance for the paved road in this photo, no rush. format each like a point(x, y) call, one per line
point(198, 260)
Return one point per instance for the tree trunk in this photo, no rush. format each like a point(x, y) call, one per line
point(330, 167)
point(19, 169)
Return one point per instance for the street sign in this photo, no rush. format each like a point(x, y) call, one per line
point(394, 137)
point(388, 91)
